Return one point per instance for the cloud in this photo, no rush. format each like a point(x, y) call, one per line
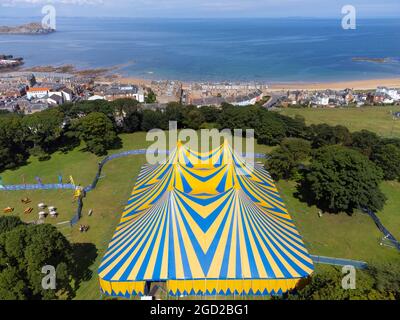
point(206, 8)
point(23, 3)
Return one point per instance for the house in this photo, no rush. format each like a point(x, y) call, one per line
point(250, 99)
point(321, 100)
point(114, 92)
point(37, 92)
point(55, 99)
point(67, 94)
point(392, 93)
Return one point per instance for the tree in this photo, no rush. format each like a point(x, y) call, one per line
point(43, 130)
point(324, 135)
point(327, 285)
point(175, 112)
point(387, 157)
point(280, 164)
point(24, 250)
point(8, 223)
point(365, 141)
point(285, 160)
point(386, 279)
point(299, 149)
point(97, 131)
point(193, 118)
point(210, 113)
point(150, 97)
point(127, 114)
point(154, 120)
point(341, 179)
point(12, 143)
point(83, 108)
point(12, 286)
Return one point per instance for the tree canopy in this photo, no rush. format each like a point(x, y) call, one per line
point(283, 162)
point(341, 179)
point(97, 131)
point(24, 251)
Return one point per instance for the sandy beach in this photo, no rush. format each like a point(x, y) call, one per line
point(355, 85)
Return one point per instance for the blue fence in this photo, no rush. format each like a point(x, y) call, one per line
point(339, 262)
point(78, 213)
point(22, 187)
point(93, 185)
point(389, 236)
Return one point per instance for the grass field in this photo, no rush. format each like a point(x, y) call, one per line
point(377, 119)
point(342, 236)
point(61, 199)
point(338, 236)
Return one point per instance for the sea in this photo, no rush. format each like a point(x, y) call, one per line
point(265, 50)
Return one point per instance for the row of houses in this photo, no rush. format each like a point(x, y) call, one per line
point(243, 100)
point(33, 92)
point(346, 97)
point(117, 91)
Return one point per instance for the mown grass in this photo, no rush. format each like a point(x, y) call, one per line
point(376, 119)
point(340, 235)
point(337, 235)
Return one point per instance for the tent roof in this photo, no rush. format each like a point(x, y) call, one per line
point(205, 216)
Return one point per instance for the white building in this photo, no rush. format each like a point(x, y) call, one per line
point(37, 93)
point(67, 94)
point(322, 100)
point(96, 97)
point(392, 93)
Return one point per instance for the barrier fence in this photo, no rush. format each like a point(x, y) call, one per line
point(22, 187)
point(78, 213)
point(75, 219)
point(339, 262)
point(387, 235)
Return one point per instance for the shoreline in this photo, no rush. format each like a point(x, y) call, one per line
point(112, 74)
point(284, 86)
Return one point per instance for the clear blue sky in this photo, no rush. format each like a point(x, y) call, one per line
point(202, 8)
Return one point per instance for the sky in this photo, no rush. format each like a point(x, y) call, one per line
point(202, 8)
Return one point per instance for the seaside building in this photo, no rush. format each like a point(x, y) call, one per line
point(204, 224)
point(244, 100)
point(394, 94)
point(37, 92)
point(115, 91)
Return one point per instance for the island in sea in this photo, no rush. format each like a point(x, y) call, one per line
point(375, 60)
point(9, 62)
point(30, 28)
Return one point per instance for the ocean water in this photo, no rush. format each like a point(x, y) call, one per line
point(274, 50)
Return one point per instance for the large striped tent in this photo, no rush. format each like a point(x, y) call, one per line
point(205, 224)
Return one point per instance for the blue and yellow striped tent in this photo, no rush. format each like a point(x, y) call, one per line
point(206, 224)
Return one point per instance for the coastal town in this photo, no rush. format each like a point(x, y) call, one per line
point(29, 92)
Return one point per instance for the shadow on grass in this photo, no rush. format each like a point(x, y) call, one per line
point(304, 194)
point(85, 254)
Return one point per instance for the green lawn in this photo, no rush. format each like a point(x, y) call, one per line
point(377, 119)
point(338, 236)
point(61, 199)
point(390, 216)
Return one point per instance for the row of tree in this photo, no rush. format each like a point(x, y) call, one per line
point(377, 282)
point(98, 123)
point(336, 169)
